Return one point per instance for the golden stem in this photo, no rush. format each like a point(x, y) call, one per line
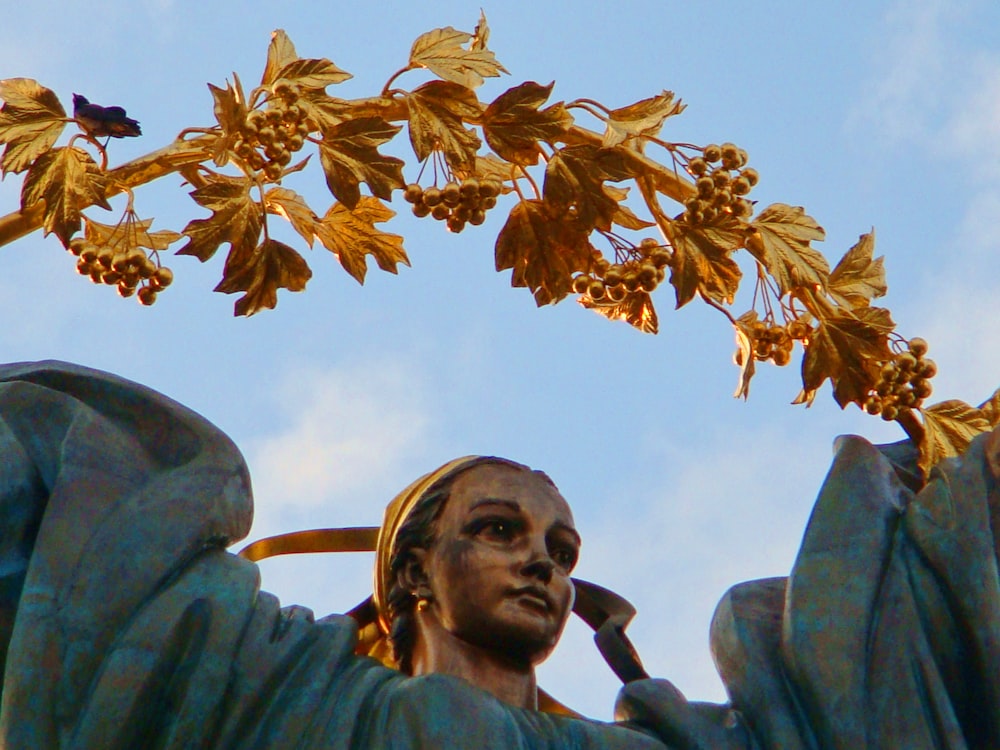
point(139, 171)
point(183, 153)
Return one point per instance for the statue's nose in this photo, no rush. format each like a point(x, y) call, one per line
point(540, 567)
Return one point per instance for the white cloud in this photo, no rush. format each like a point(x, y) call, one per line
point(961, 323)
point(348, 433)
point(973, 131)
point(732, 512)
point(909, 68)
point(930, 87)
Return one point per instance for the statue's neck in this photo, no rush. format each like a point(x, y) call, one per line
point(438, 651)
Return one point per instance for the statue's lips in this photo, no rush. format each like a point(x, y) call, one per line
point(534, 596)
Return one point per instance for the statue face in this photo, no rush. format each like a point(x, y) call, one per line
point(498, 571)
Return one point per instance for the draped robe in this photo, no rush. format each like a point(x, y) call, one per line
point(125, 623)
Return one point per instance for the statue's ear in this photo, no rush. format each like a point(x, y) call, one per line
point(413, 576)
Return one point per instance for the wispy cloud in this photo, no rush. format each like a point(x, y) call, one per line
point(702, 530)
point(908, 68)
point(348, 433)
point(973, 130)
point(931, 86)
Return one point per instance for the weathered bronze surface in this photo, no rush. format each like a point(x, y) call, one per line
point(124, 622)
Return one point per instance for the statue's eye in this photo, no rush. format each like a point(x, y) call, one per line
point(502, 529)
point(564, 557)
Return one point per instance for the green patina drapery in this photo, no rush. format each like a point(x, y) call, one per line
point(127, 623)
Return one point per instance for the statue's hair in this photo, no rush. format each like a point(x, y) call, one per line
point(419, 531)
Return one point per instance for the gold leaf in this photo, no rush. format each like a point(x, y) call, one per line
point(351, 234)
point(236, 218)
point(574, 184)
point(436, 113)
point(848, 347)
point(441, 52)
point(702, 261)
point(949, 427)
point(858, 279)
point(991, 408)
point(349, 155)
point(31, 120)
point(645, 117)
point(293, 207)
point(324, 110)
point(312, 73)
point(513, 124)
point(160, 239)
point(230, 108)
point(280, 52)
point(781, 244)
point(491, 168)
point(231, 114)
point(128, 234)
point(744, 357)
point(481, 34)
point(260, 273)
point(636, 309)
point(67, 180)
point(624, 217)
point(542, 251)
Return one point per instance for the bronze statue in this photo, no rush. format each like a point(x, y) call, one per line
point(125, 623)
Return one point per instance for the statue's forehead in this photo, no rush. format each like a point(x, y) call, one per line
point(532, 491)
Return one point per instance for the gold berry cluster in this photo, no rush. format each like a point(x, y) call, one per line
point(643, 271)
point(774, 342)
point(270, 136)
point(131, 271)
point(904, 382)
point(723, 180)
point(457, 203)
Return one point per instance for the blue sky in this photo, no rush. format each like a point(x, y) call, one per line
point(875, 114)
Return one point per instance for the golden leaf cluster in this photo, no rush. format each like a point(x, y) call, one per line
point(600, 204)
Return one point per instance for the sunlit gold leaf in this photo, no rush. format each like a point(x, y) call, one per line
point(481, 34)
point(260, 273)
point(231, 114)
point(636, 309)
point(991, 408)
point(858, 279)
point(31, 120)
point(160, 239)
point(949, 427)
point(574, 184)
point(280, 52)
point(351, 235)
point(848, 347)
point(744, 357)
point(230, 107)
point(513, 124)
point(312, 73)
point(236, 218)
point(349, 155)
point(645, 117)
point(128, 234)
point(702, 261)
point(781, 244)
point(324, 111)
point(67, 180)
point(441, 52)
point(542, 251)
point(436, 113)
point(624, 217)
point(293, 207)
point(491, 168)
